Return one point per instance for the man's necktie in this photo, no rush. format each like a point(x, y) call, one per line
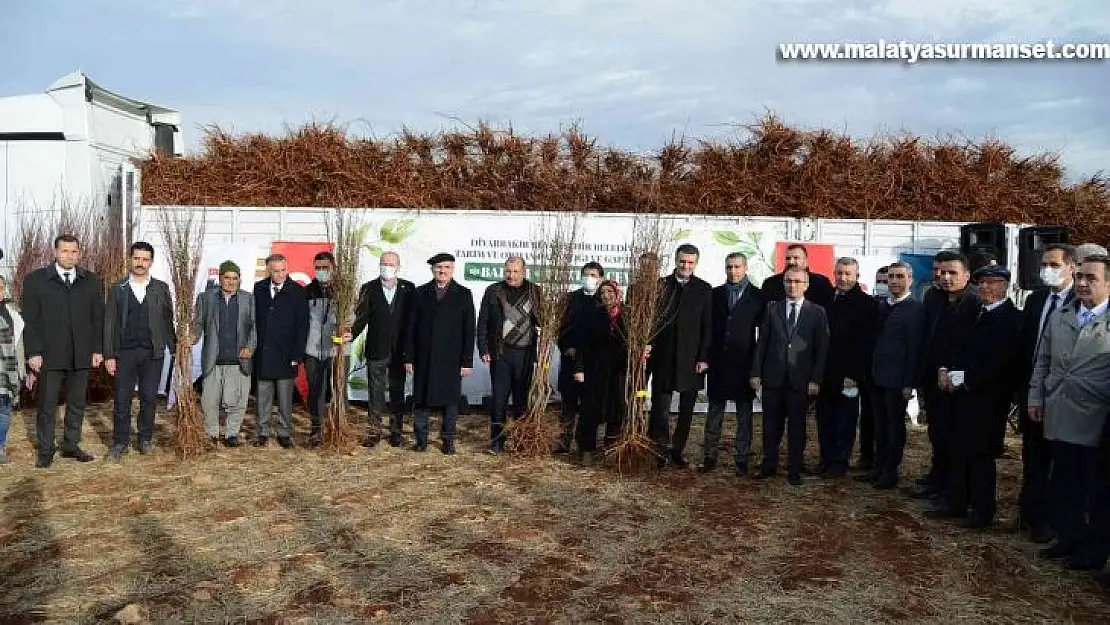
point(1085, 318)
point(792, 318)
point(69, 282)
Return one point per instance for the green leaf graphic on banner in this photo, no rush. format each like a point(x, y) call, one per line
point(748, 251)
point(404, 228)
point(681, 234)
point(373, 249)
point(361, 232)
point(756, 236)
point(359, 384)
point(726, 237)
point(359, 345)
point(388, 231)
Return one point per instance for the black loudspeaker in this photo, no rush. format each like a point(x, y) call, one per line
point(989, 237)
point(1031, 243)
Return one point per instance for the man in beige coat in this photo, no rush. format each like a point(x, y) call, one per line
point(1070, 392)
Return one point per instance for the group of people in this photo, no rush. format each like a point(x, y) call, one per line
point(798, 340)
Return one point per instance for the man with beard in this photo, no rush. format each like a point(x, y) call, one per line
point(439, 350)
point(737, 311)
point(508, 324)
point(952, 303)
point(138, 328)
point(980, 382)
point(1070, 393)
point(1058, 265)
point(581, 304)
point(851, 317)
point(679, 353)
point(820, 290)
point(788, 368)
point(63, 308)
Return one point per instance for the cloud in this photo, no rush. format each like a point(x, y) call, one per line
point(633, 71)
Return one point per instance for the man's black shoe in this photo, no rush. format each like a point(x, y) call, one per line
point(886, 482)
point(707, 465)
point(795, 479)
point(261, 441)
point(1041, 535)
point(679, 461)
point(117, 452)
point(231, 441)
point(867, 478)
point(79, 455)
point(943, 513)
point(44, 462)
point(285, 442)
point(394, 440)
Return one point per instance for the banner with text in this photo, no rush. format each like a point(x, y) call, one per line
point(482, 242)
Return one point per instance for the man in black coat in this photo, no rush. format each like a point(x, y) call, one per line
point(866, 411)
point(981, 380)
point(950, 304)
point(737, 311)
point(281, 317)
point(384, 306)
point(439, 350)
point(63, 307)
point(820, 290)
point(508, 327)
point(1058, 265)
point(138, 328)
point(895, 371)
point(851, 316)
point(788, 368)
point(679, 353)
point(581, 304)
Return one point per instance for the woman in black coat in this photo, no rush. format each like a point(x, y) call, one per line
point(601, 365)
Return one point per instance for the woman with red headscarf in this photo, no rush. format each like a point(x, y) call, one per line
point(601, 365)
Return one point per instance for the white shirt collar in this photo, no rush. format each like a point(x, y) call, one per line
point(798, 302)
point(991, 307)
point(1063, 294)
point(131, 279)
point(62, 272)
point(892, 301)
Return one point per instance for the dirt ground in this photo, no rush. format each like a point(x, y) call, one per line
point(389, 535)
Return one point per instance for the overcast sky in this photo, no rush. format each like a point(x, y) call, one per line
point(632, 71)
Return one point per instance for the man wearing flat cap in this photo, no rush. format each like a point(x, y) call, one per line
point(981, 379)
point(225, 320)
point(439, 350)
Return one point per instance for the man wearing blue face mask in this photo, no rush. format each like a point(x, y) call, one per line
point(320, 350)
point(580, 303)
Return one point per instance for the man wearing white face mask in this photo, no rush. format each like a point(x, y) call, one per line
point(384, 306)
point(1058, 264)
point(320, 349)
point(580, 304)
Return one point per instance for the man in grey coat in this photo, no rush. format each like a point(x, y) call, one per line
point(225, 319)
point(1070, 392)
point(895, 371)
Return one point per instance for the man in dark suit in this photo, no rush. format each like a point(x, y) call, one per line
point(63, 307)
point(981, 381)
point(581, 303)
point(138, 328)
point(895, 371)
point(439, 350)
point(867, 444)
point(1058, 264)
point(788, 368)
point(281, 315)
point(679, 353)
point(737, 310)
point(820, 290)
point(851, 315)
point(384, 306)
point(952, 303)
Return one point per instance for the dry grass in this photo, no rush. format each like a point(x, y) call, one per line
point(389, 535)
point(765, 168)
